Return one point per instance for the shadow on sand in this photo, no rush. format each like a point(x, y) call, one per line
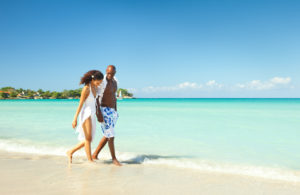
point(141, 158)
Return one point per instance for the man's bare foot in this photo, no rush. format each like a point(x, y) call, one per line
point(92, 161)
point(95, 157)
point(69, 155)
point(116, 162)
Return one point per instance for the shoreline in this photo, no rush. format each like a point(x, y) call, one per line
point(50, 98)
point(228, 98)
point(45, 174)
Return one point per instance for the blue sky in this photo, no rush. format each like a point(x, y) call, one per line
point(212, 48)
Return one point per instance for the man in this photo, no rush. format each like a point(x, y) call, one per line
point(108, 102)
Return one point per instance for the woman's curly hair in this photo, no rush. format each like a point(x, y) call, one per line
point(91, 75)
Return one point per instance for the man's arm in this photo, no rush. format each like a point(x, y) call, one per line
point(98, 110)
point(116, 95)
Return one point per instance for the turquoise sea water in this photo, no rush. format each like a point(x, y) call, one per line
point(256, 137)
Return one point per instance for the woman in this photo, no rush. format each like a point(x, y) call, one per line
point(87, 113)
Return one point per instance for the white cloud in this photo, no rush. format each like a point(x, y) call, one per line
point(184, 86)
point(280, 80)
point(240, 86)
point(181, 86)
point(265, 85)
point(156, 89)
point(213, 83)
point(273, 83)
point(188, 85)
point(132, 90)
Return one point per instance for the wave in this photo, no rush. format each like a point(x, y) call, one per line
point(24, 146)
point(226, 168)
point(180, 162)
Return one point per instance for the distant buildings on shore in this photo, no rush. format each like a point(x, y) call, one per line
point(12, 93)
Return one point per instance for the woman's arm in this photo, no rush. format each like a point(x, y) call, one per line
point(84, 94)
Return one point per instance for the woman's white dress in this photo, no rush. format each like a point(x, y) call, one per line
point(88, 110)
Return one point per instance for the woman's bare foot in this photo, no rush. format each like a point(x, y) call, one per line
point(92, 161)
point(69, 155)
point(116, 162)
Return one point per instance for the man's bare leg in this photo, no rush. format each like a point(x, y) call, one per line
point(101, 144)
point(112, 151)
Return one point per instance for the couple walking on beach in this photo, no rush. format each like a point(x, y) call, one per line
point(102, 89)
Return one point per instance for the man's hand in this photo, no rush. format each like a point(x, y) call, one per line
point(98, 111)
point(100, 116)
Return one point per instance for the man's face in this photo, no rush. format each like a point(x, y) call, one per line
point(110, 72)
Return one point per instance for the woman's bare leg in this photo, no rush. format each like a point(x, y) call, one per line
point(101, 144)
point(87, 129)
point(71, 152)
point(112, 151)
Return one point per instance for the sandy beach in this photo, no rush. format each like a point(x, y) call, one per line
point(196, 97)
point(36, 174)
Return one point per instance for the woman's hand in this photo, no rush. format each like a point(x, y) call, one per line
point(74, 124)
point(84, 94)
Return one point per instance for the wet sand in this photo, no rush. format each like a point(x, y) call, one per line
point(38, 174)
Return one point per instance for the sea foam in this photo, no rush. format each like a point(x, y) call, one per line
point(192, 164)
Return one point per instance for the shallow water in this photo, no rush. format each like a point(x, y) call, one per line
point(258, 137)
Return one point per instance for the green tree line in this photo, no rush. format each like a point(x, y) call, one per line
point(10, 92)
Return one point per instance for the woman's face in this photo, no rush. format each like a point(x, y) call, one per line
point(97, 82)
